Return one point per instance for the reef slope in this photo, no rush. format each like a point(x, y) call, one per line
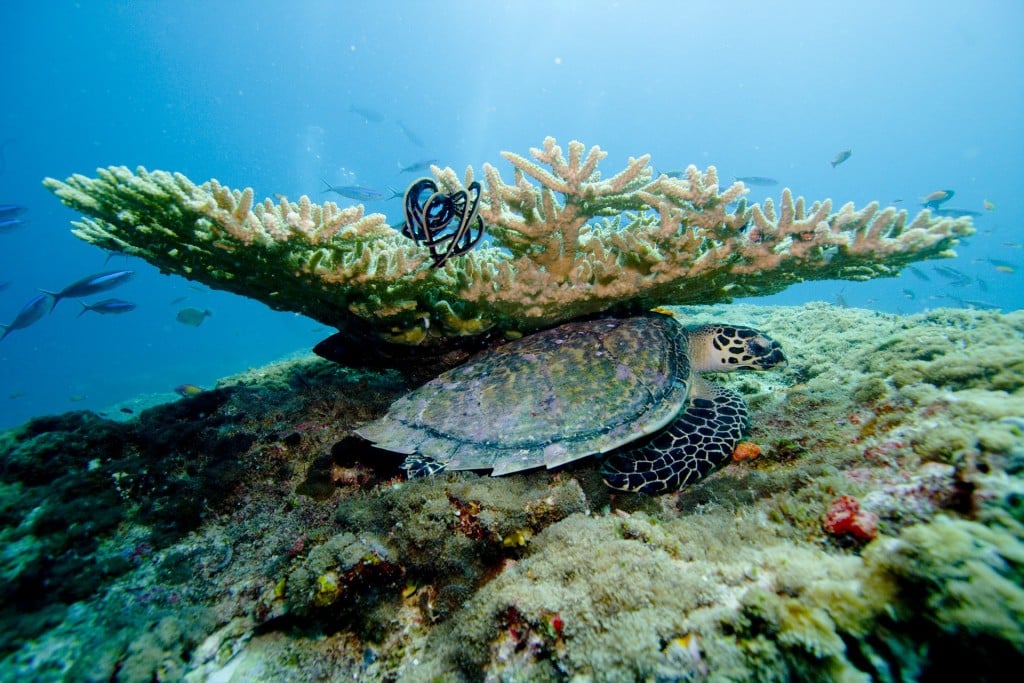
point(244, 534)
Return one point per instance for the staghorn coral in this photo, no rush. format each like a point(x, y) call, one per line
point(563, 243)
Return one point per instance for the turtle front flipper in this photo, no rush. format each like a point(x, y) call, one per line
point(417, 466)
point(700, 441)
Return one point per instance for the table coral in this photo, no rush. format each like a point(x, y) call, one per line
point(563, 242)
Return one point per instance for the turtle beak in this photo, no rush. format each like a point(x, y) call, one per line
point(768, 353)
point(776, 358)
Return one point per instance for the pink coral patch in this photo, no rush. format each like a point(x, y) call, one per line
point(845, 517)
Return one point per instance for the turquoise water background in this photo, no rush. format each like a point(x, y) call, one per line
point(269, 94)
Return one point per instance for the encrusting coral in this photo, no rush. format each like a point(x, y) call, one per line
point(563, 242)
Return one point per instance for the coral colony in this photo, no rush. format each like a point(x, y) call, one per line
point(563, 242)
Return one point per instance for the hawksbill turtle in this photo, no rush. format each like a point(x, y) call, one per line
point(628, 387)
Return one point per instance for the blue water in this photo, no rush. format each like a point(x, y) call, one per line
point(926, 95)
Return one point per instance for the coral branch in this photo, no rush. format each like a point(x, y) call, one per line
point(563, 243)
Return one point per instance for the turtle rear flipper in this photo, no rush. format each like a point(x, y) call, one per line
point(700, 441)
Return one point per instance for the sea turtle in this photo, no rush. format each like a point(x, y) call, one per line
point(629, 387)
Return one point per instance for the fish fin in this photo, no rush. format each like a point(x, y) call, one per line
point(85, 307)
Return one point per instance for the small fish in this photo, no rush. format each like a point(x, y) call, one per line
point(4, 284)
point(949, 273)
point(362, 194)
point(999, 263)
point(757, 180)
point(30, 313)
point(11, 210)
point(193, 317)
point(177, 300)
point(76, 398)
point(107, 307)
point(129, 411)
point(841, 157)
point(187, 390)
point(958, 278)
point(909, 294)
point(987, 205)
point(918, 273)
point(417, 166)
point(936, 199)
point(1005, 269)
point(92, 284)
point(975, 303)
point(11, 224)
point(841, 300)
point(410, 136)
point(955, 213)
point(371, 115)
point(674, 173)
point(1012, 245)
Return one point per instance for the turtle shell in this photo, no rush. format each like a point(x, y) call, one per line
point(546, 399)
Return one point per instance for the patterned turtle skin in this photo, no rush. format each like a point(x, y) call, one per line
point(629, 387)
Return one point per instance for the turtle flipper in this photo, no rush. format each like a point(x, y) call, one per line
point(417, 466)
point(700, 441)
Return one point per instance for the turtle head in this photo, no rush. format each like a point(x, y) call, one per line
point(724, 348)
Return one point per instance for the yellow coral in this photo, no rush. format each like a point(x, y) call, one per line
point(327, 589)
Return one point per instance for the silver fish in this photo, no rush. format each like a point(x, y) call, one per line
point(11, 224)
point(362, 194)
point(757, 180)
point(92, 284)
point(370, 115)
point(955, 213)
point(918, 273)
point(30, 313)
point(107, 306)
point(410, 135)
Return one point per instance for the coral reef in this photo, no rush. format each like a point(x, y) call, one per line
point(270, 544)
point(563, 242)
